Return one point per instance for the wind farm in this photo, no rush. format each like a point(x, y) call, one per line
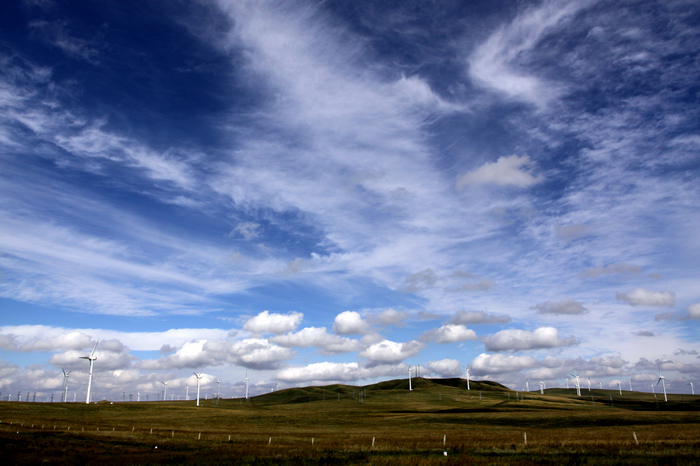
point(382, 423)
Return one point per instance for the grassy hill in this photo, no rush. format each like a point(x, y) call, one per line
point(381, 423)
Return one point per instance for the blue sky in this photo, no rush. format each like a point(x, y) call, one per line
point(320, 192)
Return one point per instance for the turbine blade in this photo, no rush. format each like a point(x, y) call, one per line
point(93, 350)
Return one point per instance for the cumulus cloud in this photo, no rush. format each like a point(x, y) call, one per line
point(350, 323)
point(419, 281)
point(694, 311)
point(449, 333)
point(445, 367)
point(69, 340)
point(506, 171)
point(570, 232)
point(7, 342)
point(499, 363)
point(266, 322)
point(388, 317)
point(566, 307)
point(463, 317)
point(252, 353)
point(110, 354)
point(320, 338)
point(389, 352)
point(337, 372)
point(515, 340)
point(642, 297)
point(612, 269)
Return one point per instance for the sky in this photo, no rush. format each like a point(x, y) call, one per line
point(317, 192)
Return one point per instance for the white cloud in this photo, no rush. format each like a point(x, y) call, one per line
point(463, 317)
point(642, 297)
point(419, 281)
point(612, 269)
point(566, 307)
point(253, 353)
point(69, 340)
point(326, 372)
point(445, 367)
point(449, 333)
point(388, 317)
point(350, 323)
point(44, 338)
point(389, 352)
point(506, 171)
point(486, 364)
point(110, 354)
point(248, 230)
point(496, 62)
point(694, 311)
point(266, 322)
point(318, 337)
point(513, 339)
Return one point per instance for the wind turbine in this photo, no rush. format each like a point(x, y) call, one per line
point(198, 379)
point(601, 385)
point(409, 379)
point(662, 379)
point(527, 385)
point(567, 383)
point(652, 389)
point(65, 385)
point(187, 392)
point(247, 398)
point(165, 387)
point(692, 387)
point(218, 388)
point(578, 386)
point(630, 381)
point(91, 358)
point(541, 388)
point(619, 387)
point(589, 384)
point(467, 369)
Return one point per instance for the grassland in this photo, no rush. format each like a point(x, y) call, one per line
point(439, 422)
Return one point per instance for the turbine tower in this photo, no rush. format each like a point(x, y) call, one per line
point(630, 381)
point(409, 379)
point(662, 379)
point(247, 398)
point(467, 369)
point(578, 386)
point(619, 387)
point(187, 392)
point(198, 379)
point(527, 385)
point(65, 385)
point(165, 387)
point(91, 358)
point(567, 383)
point(541, 388)
point(589, 384)
point(692, 388)
point(218, 388)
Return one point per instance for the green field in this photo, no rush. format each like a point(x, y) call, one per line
point(439, 422)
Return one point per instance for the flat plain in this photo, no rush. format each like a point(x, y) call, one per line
point(438, 422)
